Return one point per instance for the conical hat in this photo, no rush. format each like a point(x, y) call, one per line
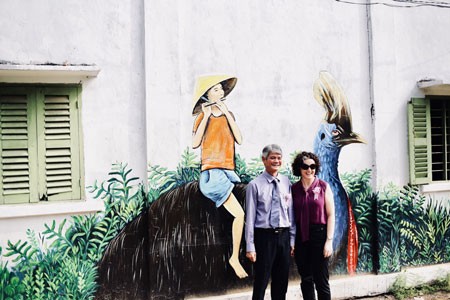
point(204, 83)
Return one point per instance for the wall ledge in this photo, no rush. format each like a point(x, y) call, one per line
point(357, 286)
point(11, 211)
point(435, 187)
point(434, 87)
point(46, 73)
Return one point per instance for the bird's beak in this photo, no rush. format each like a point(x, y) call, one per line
point(351, 138)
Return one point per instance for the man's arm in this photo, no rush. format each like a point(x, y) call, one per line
point(250, 215)
point(293, 227)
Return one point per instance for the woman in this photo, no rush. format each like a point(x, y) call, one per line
point(314, 216)
point(215, 130)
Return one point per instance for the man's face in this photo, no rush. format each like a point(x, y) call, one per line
point(273, 162)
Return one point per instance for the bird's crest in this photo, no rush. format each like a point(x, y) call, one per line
point(331, 96)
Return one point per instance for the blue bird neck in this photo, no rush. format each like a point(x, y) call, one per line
point(329, 162)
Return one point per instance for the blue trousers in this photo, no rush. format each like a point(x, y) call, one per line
point(272, 260)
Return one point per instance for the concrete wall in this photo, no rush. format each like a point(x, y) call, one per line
point(138, 109)
point(408, 45)
point(276, 49)
point(109, 34)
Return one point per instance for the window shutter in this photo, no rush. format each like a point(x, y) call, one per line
point(17, 147)
point(419, 133)
point(59, 151)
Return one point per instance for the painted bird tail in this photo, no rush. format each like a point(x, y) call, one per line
point(352, 245)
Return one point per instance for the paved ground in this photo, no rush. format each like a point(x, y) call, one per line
point(358, 287)
point(435, 296)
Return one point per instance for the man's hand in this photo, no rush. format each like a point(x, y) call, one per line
point(292, 251)
point(251, 256)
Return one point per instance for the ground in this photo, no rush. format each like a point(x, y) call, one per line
point(434, 296)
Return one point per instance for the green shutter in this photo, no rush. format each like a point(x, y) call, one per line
point(59, 144)
point(17, 146)
point(419, 133)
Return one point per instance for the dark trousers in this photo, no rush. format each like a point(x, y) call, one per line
point(272, 259)
point(312, 265)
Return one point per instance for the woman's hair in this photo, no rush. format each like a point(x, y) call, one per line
point(298, 161)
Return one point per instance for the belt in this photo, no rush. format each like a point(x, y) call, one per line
point(273, 230)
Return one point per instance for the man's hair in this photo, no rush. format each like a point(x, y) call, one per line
point(271, 148)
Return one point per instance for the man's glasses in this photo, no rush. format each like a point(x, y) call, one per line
point(306, 167)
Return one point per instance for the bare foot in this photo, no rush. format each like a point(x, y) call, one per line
point(238, 269)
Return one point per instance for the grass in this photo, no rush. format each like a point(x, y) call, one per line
point(400, 291)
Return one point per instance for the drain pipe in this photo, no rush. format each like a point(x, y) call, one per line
point(371, 92)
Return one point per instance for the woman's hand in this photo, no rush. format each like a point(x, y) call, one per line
point(328, 248)
point(206, 110)
point(223, 108)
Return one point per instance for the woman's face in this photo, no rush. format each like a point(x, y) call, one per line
point(215, 93)
point(308, 168)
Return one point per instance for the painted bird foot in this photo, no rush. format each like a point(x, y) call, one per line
point(237, 267)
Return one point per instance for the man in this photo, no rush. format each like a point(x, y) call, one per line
point(270, 226)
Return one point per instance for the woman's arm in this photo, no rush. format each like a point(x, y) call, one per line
point(329, 207)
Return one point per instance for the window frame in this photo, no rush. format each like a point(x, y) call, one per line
point(420, 141)
point(37, 137)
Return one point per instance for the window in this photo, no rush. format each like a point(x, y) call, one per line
point(429, 139)
point(40, 143)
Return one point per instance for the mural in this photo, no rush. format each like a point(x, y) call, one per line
point(216, 131)
point(172, 241)
point(396, 228)
point(62, 262)
point(334, 133)
point(412, 230)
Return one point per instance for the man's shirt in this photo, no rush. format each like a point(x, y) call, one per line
point(259, 206)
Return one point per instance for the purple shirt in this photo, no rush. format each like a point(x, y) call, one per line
point(309, 206)
point(259, 204)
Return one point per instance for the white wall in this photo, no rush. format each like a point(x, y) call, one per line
point(409, 45)
point(109, 34)
point(138, 109)
point(276, 49)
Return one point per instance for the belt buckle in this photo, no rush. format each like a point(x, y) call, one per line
point(277, 230)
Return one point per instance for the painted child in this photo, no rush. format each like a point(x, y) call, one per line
point(215, 130)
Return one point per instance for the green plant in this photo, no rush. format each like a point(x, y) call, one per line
point(161, 180)
point(401, 291)
point(424, 228)
point(67, 269)
point(10, 285)
point(388, 220)
point(411, 229)
point(363, 202)
point(59, 272)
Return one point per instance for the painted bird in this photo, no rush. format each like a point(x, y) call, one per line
point(334, 133)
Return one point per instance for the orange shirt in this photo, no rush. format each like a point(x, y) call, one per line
point(217, 143)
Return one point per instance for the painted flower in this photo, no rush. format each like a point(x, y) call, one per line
point(316, 192)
